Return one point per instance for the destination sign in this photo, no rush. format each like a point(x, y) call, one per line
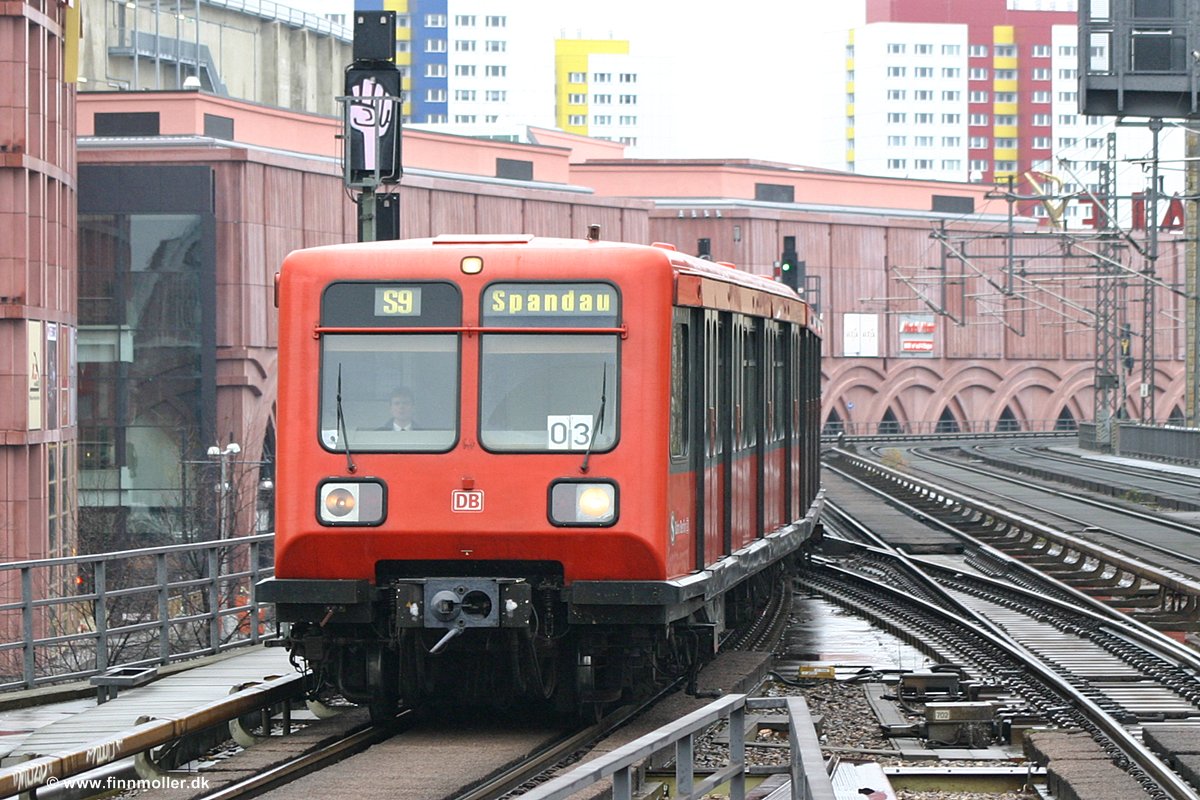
point(397, 301)
point(590, 304)
point(377, 304)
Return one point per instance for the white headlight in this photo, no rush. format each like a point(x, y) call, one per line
point(580, 503)
point(351, 503)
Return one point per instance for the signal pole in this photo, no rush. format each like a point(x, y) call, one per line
point(371, 122)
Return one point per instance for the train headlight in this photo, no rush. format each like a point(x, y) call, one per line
point(583, 503)
point(353, 502)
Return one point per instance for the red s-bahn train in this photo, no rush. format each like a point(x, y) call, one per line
point(601, 457)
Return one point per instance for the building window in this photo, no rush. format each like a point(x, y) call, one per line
point(1006, 120)
point(1066, 142)
point(1093, 141)
point(979, 143)
point(951, 164)
point(1040, 51)
point(897, 163)
point(1067, 50)
point(923, 94)
point(1068, 119)
point(897, 141)
point(977, 51)
point(923, 49)
point(951, 119)
point(464, 119)
point(1006, 166)
point(896, 94)
point(950, 96)
point(1040, 97)
point(923, 72)
point(896, 117)
point(979, 119)
point(951, 72)
point(496, 96)
point(435, 95)
point(951, 141)
point(1041, 143)
point(979, 165)
point(950, 49)
point(1068, 74)
point(1041, 120)
point(629, 140)
point(1006, 97)
point(628, 120)
point(577, 119)
point(465, 20)
point(1041, 74)
point(895, 72)
point(923, 163)
point(895, 48)
point(464, 45)
point(435, 119)
point(1006, 143)
point(435, 70)
point(923, 119)
point(602, 77)
point(435, 45)
point(923, 141)
point(577, 99)
point(978, 74)
point(979, 96)
point(464, 95)
point(1006, 51)
point(629, 100)
point(495, 46)
point(602, 119)
point(1006, 74)
point(464, 70)
point(495, 70)
point(435, 20)
point(628, 77)
point(576, 77)
point(603, 99)
point(495, 22)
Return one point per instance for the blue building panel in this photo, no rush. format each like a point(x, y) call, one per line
point(430, 47)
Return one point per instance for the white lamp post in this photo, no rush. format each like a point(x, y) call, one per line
point(225, 456)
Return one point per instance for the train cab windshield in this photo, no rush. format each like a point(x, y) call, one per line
point(548, 367)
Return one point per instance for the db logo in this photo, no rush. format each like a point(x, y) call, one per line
point(466, 500)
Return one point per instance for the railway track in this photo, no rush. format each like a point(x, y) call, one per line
point(1034, 671)
point(1150, 574)
point(1075, 661)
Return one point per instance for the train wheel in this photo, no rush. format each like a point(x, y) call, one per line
point(383, 673)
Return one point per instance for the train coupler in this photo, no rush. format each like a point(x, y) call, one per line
point(458, 603)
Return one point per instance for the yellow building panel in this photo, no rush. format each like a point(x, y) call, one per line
point(1004, 108)
point(1005, 154)
point(571, 55)
point(399, 6)
point(849, 109)
point(1004, 86)
point(403, 34)
point(1004, 62)
point(1002, 131)
point(849, 87)
point(1003, 34)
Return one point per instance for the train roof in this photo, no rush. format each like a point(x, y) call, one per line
point(694, 275)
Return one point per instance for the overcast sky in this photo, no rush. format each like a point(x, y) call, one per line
point(742, 72)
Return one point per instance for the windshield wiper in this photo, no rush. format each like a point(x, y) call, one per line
point(599, 426)
point(341, 421)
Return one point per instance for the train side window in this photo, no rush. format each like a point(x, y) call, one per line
point(372, 371)
point(680, 381)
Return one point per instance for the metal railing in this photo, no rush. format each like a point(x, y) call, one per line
point(810, 781)
point(70, 618)
point(936, 428)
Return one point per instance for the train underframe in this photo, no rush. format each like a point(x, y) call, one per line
point(482, 641)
